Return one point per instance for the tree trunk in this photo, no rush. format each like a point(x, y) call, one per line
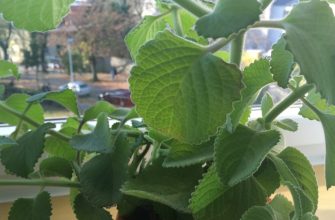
point(93, 62)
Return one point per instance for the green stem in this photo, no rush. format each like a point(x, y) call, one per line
point(288, 101)
point(236, 49)
point(177, 21)
point(311, 106)
point(194, 7)
point(18, 127)
point(40, 182)
point(219, 44)
point(31, 122)
point(268, 24)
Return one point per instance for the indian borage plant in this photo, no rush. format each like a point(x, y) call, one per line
point(196, 155)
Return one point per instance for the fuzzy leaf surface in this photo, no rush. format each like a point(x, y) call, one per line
point(94, 111)
point(18, 102)
point(228, 17)
point(103, 176)
point(181, 155)
point(239, 155)
point(319, 46)
point(282, 62)
point(66, 98)
point(56, 167)
point(84, 210)
point(255, 77)
point(168, 186)
point(182, 91)
point(35, 15)
point(100, 140)
point(20, 159)
point(38, 208)
point(212, 200)
point(267, 104)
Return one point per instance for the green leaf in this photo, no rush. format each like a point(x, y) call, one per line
point(318, 44)
point(8, 69)
point(315, 99)
point(268, 177)
point(60, 148)
point(84, 210)
point(35, 15)
point(187, 89)
point(282, 207)
point(181, 155)
point(101, 177)
point(239, 155)
point(124, 114)
point(94, 111)
point(282, 62)
point(100, 140)
point(228, 17)
point(267, 104)
point(302, 170)
point(2, 91)
point(212, 200)
point(255, 77)
point(309, 216)
point(168, 186)
point(56, 167)
point(298, 175)
point(18, 102)
point(144, 32)
point(66, 98)
point(287, 124)
point(20, 159)
point(6, 142)
point(38, 208)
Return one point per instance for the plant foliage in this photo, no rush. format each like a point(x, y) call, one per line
point(188, 150)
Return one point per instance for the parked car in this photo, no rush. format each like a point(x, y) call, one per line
point(80, 88)
point(117, 97)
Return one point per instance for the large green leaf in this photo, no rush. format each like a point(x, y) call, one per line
point(143, 32)
point(315, 99)
point(61, 148)
point(297, 174)
point(255, 77)
point(168, 186)
point(181, 155)
point(94, 111)
point(228, 17)
point(268, 177)
point(35, 15)
point(281, 63)
point(100, 140)
point(56, 167)
point(182, 91)
point(6, 142)
point(38, 208)
point(101, 177)
point(8, 69)
point(20, 159)
point(278, 209)
point(318, 109)
point(18, 103)
point(318, 45)
point(84, 210)
point(212, 200)
point(66, 98)
point(239, 155)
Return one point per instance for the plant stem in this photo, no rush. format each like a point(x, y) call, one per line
point(218, 44)
point(236, 49)
point(32, 122)
point(289, 100)
point(268, 24)
point(194, 7)
point(311, 106)
point(39, 182)
point(18, 127)
point(177, 21)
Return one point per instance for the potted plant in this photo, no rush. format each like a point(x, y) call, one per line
point(195, 154)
